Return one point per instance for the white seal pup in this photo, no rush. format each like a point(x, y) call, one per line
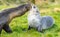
point(37, 21)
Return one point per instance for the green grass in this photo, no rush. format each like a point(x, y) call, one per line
point(19, 27)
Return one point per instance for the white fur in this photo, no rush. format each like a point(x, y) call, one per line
point(37, 21)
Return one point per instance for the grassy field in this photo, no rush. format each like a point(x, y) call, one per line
point(19, 25)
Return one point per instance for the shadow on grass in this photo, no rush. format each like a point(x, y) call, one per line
point(19, 29)
point(53, 28)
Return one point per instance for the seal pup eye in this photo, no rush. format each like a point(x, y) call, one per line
point(34, 7)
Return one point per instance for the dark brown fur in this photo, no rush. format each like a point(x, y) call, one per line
point(8, 14)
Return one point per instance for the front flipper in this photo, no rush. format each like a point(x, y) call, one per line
point(1, 27)
point(7, 28)
point(29, 28)
point(39, 28)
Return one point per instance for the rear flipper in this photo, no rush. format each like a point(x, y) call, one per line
point(39, 28)
point(47, 22)
point(7, 28)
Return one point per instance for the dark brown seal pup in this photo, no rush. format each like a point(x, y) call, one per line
point(8, 14)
